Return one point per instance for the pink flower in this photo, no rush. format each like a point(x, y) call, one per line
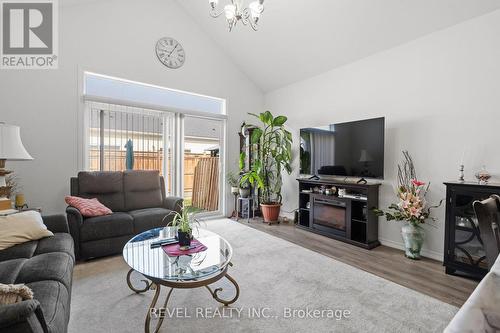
point(417, 183)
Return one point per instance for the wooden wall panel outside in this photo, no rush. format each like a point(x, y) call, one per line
point(115, 161)
point(206, 184)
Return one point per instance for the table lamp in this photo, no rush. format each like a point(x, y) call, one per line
point(12, 149)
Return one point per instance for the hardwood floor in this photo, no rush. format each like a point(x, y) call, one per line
point(426, 276)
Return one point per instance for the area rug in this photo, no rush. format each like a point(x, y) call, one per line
point(284, 288)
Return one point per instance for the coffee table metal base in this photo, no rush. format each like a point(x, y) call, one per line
point(155, 284)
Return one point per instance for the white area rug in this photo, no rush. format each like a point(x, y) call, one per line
point(275, 277)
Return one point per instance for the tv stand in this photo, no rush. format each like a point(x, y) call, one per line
point(347, 218)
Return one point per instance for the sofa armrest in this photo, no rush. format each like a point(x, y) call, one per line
point(56, 223)
point(25, 316)
point(173, 203)
point(75, 220)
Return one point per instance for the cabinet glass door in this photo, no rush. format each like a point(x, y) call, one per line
point(468, 247)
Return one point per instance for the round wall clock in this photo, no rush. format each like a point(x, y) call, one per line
point(170, 52)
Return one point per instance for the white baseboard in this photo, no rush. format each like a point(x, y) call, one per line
point(390, 243)
point(425, 253)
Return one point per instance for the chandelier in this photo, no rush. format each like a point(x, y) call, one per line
point(235, 12)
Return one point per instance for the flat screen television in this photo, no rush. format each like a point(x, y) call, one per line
point(352, 149)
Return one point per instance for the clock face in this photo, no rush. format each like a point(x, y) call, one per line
point(170, 52)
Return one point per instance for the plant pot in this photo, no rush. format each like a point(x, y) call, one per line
point(184, 238)
point(244, 192)
point(234, 189)
point(270, 212)
point(413, 237)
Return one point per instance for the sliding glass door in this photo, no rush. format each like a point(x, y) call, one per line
point(203, 148)
point(186, 150)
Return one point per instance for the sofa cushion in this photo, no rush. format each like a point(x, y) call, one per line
point(54, 300)
point(103, 247)
point(20, 228)
point(56, 266)
point(24, 250)
point(9, 270)
point(61, 242)
point(108, 226)
point(149, 218)
point(142, 189)
point(106, 186)
point(88, 207)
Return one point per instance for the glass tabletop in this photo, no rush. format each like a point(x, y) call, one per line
point(155, 263)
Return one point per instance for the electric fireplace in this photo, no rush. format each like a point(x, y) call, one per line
point(329, 215)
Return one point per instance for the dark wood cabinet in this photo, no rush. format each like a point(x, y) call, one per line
point(464, 253)
point(347, 218)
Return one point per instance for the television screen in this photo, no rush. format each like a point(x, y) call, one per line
point(353, 149)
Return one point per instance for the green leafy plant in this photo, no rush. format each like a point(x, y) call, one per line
point(232, 179)
point(244, 183)
point(274, 145)
point(186, 219)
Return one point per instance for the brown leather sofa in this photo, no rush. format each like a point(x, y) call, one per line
point(137, 199)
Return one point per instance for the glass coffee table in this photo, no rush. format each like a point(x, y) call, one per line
point(196, 270)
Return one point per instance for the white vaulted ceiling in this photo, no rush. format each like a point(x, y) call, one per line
point(298, 39)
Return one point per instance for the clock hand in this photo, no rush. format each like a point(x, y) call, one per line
point(173, 50)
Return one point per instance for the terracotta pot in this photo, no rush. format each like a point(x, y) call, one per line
point(270, 212)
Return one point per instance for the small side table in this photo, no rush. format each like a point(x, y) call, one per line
point(246, 206)
point(13, 211)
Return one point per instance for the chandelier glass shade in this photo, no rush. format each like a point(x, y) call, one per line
point(236, 12)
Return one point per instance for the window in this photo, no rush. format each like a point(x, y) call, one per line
point(122, 137)
point(99, 87)
point(126, 128)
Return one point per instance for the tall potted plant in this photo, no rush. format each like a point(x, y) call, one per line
point(411, 208)
point(274, 145)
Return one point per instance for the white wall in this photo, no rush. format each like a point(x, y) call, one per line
point(116, 38)
point(439, 94)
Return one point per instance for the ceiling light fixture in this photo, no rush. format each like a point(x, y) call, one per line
point(235, 11)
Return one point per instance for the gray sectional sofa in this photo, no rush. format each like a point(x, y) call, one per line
point(45, 266)
point(137, 199)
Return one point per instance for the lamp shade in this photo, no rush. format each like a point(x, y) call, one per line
point(11, 146)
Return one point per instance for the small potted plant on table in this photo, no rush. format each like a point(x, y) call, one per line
point(274, 146)
point(184, 221)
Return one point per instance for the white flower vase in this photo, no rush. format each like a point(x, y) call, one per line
point(413, 237)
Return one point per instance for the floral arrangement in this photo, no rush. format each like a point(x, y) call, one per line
point(412, 206)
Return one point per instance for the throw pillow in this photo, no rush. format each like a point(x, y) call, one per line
point(20, 228)
point(13, 293)
point(88, 207)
